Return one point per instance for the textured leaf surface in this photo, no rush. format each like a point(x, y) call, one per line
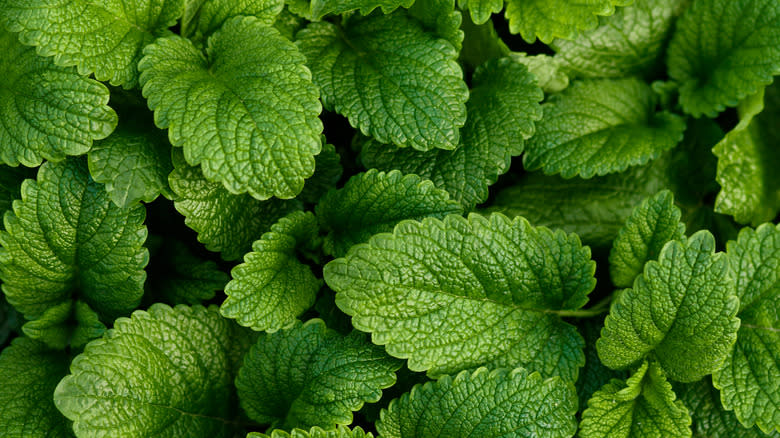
point(374, 202)
point(273, 287)
point(309, 376)
point(180, 277)
point(104, 38)
point(748, 379)
point(202, 18)
point(652, 224)
point(455, 294)
point(643, 406)
point(748, 157)
point(66, 239)
point(548, 19)
point(247, 112)
point(69, 323)
point(33, 94)
point(682, 309)
point(30, 372)
point(315, 432)
point(596, 127)
point(486, 404)
point(719, 68)
point(390, 78)
point(320, 8)
point(224, 222)
point(133, 163)
point(164, 372)
point(594, 375)
point(502, 109)
point(481, 10)
point(547, 69)
point(629, 42)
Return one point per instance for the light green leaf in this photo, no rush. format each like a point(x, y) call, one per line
point(180, 277)
point(643, 406)
point(65, 324)
point(594, 374)
point(247, 112)
point(748, 157)
point(103, 38)
point(390, 78)
point(46, 112)
point(164, 372)
point(596, 127)
point(288, 23)
point(309, 376)
point(320, 8)
point(202, 18)
point(273, 287)
point(224, 222)
point(502, 109)
point(65, 240)
point(682, 309)
point(327, 173)
point(459, 293)
point(548, 19)
point(748, 379)
point(133, 163)
point(547, 69)
point(723, 51)
point(629, 42)
point(315, 432)
point(441, 18)
point(30, 372)
point(652, 224)
point(481, 10)
point(485, 404)
point(373, 202)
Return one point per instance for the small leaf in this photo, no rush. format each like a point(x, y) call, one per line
point(315, 432)
point(209, 16)
point(548, 19)
point(327, 173)
point(179, 277)
point(481, 10)
point(65, 324)
point(547, 69)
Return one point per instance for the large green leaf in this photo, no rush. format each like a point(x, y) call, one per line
point(320, 8)
point(548, 19)
point(246, 112)
point(202, 18)
point(459, 293)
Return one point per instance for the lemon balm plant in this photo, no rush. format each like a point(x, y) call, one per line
point(414, 218)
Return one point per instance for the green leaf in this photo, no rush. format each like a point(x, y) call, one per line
point(481, 10)
point(104, 38)
point(133, 163)
point(643, 406)
point(682, 309)
point(224, 222)
point(65, 240)
point(481, 43)
point(390, 78)
point(34, 94)
point(320, 8)
point(315, 432)
point(206, 17)
point(164, 372)
point(30, 372)
point(719, 68)
point(596, 127)
point(309, 376)
point(594, 374)
point(272, 287)
point(327, 173)
point(373, 202)
point(502, 109)
point(65, 324)
point(491, 287)
point(548, 19)
point(652, 224)
point(747, 159)
point(486, 404)
point(748, 379)
point(180, 277)
point(246, 112)
point(547, 69)
point(629, 42)
point(441, 18)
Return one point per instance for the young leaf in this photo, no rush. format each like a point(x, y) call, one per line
point(682, 309)
point(390, 78)
point(34, 93)
point(441, 18)
point(374, 202)
point(182, 277)
point(486, 404)
point(30, 372)
point(747, 161)
point(133, 163)
point(548, 19)
point(320, 8)
point(643, 406)
point(596, 127)
point(629, 42)
point(652, 224)
point(724, 51)
point(224, 222)
point(309, 376)
point(65, 324)
point(547, 69)
point(164, 372)
point(327, 173)
point(594, 375)
point(481, 10)
point(272, 287)
point(481, 43)
point(459, 293)
point(209, 16)
point(315, 432)
point(104, 38)
point(65, 239)
point(247, 112)
point(748, 379)
point(502, 109)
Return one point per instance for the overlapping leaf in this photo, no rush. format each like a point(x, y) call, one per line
point(181, 277)
point(548, 19)
point(69, 323)
point(315, 432)
point(202, 18)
